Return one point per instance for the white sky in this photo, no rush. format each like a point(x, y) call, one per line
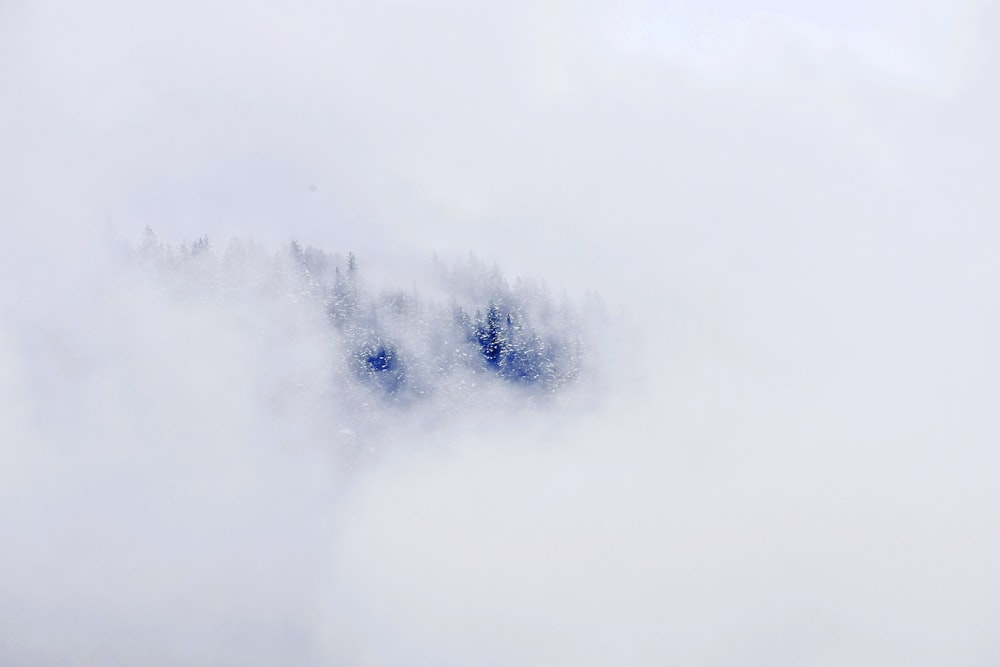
point(201, 118)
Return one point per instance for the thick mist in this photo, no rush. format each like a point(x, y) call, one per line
point(782, 453)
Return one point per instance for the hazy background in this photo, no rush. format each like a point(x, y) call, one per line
point(789, 207)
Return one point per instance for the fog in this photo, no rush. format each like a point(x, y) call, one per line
point(780, 449)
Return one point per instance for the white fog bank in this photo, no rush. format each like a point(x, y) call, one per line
point(784, 452)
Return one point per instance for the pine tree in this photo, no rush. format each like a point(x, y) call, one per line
point(492, 340)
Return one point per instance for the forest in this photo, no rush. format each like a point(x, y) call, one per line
point(467, 330)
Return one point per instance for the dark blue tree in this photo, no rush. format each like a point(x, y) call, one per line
point(381, 365)
point(490, 334)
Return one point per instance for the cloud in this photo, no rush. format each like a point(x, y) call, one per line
point(790, 224)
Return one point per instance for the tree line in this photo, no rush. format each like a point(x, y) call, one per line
point(470, 329)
